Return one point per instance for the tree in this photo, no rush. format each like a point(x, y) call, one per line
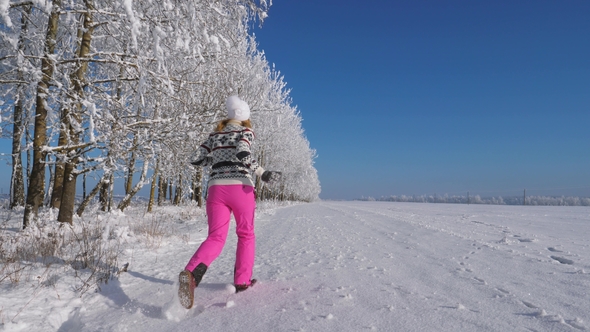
point(35, 192)
point(72, 118)
point(17, 186)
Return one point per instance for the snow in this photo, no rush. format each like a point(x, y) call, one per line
point(333, 266)
point(4, 5)
point(135, 23)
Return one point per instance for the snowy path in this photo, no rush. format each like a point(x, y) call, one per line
point(354, 266)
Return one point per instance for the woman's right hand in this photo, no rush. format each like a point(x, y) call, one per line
point(203, 162)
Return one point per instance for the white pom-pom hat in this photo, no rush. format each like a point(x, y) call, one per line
point(237, 109)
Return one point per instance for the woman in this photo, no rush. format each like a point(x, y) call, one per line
point(230, 189)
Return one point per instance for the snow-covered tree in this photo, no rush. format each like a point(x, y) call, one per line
point(125, 87)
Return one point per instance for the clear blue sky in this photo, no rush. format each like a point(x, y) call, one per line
point(435, 97)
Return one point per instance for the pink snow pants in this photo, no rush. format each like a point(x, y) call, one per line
point(222, 200)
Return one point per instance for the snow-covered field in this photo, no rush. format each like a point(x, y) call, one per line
point(337, 266)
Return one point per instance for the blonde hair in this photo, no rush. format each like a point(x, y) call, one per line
point(221, 124)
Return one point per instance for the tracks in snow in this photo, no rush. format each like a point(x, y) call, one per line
point(453, 264)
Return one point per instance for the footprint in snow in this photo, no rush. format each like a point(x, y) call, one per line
point(480, 280)
point(530, 305)
point(527, 240)
point(563, 260)
point(577, 323)
point(502, 290)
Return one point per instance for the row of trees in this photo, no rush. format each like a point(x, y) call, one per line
point(114, 89)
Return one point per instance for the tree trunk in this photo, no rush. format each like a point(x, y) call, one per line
point(105, 192)
point(58, 180)
point(68, 197)
point(258, 184)
point(129, 177)
point(103, 198)
point(50, 188)
point(93, 193)
point(66, 211)
point(178, 191)
point(127, 199)
point(161, 190)
point(84, 186)
point(197, 188)
point(36, 188)
point(17, 184)
point(153, 190)
point(130, 168)
point(29, 141)
point(111, 191)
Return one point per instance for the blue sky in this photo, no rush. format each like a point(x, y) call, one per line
point(435, 97)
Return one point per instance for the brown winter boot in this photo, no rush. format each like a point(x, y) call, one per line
point(186, 289)
point(188, 281)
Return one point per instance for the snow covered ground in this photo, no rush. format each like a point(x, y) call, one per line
point(337, 266)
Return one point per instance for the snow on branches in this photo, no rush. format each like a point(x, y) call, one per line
point(138, 83)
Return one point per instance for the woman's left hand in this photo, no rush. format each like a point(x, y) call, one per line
point(271, 176)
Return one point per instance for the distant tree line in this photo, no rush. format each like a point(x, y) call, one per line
point(476, 199)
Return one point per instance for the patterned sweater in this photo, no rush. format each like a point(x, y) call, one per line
point(228, 152)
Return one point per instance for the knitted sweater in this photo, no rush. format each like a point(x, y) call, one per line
point(229, 155)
